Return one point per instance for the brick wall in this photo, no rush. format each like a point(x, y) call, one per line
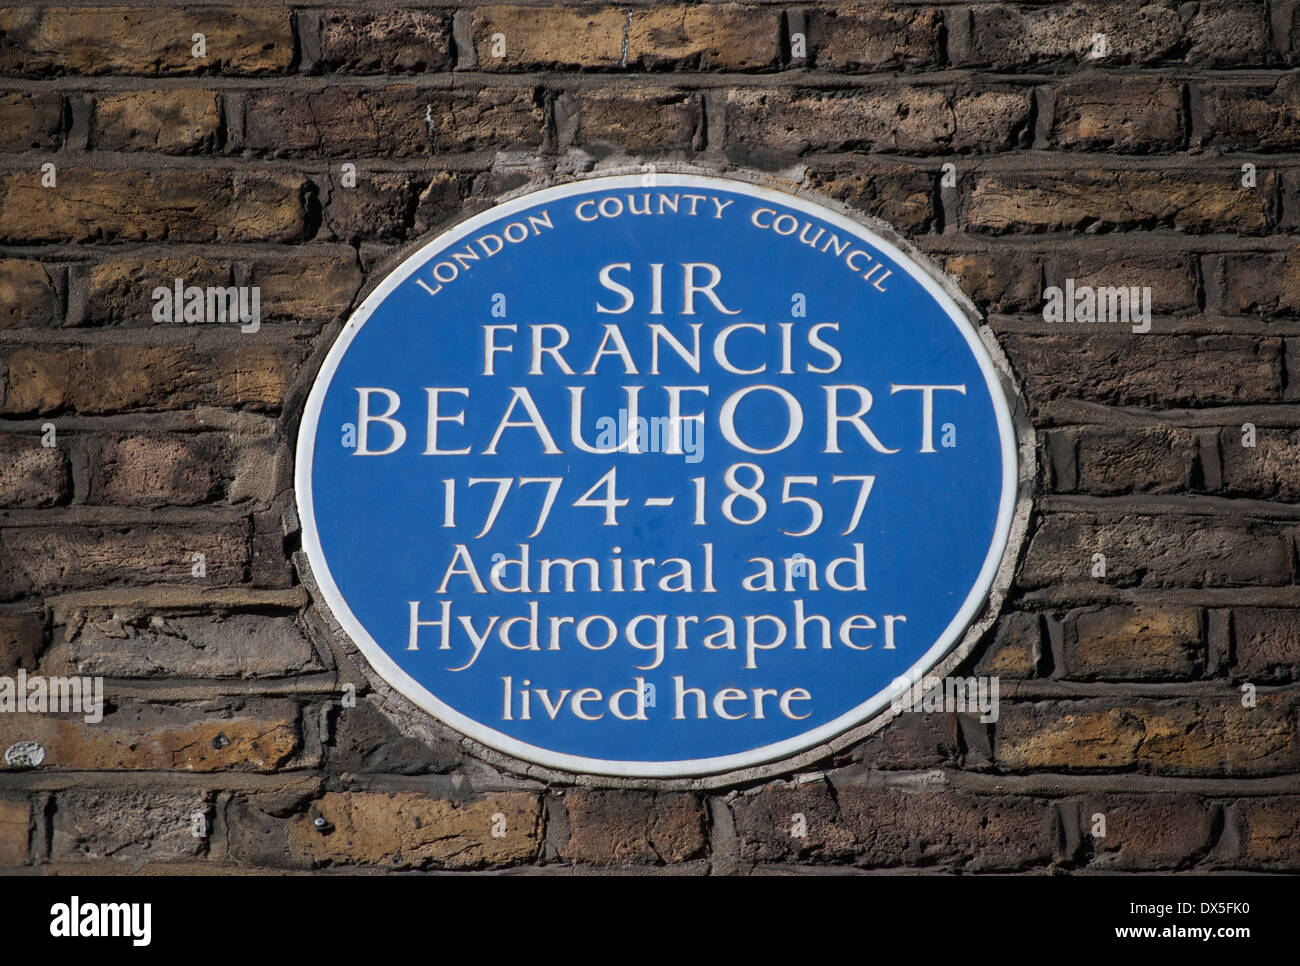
point(1122, 695)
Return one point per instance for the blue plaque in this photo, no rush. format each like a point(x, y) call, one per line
point(656, 476)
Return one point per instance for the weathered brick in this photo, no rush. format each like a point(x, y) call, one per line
point(22, 639)
point(1126, 370)
point(1136, 643)
point(896, 120)
point(1016, 649)
point(641, 119)
point(1131, 114)
point(1266, 642)
point(542, 37)
point(992, 120)
point(392, 206)
point(28, 297)
point(139, 737)
point(629, 828)
point(15, 826)
point(31, 122)
point(1094, 199)
point(1158, 550)
point(1156, 832)
point(874, 826)
point(912, 740)
point(715, 36)
point(1136, 32)
point(1269, 470)
point(909, 119)
point(32, 475)
point(1272, 833)
point(128, 826)
point(144, 40)
point(335, 280)
point(118, 644)
point(385, 41)
point(172, 122)
point(393, 121)
point(412, 830)
point(121, 288)
point(1134, 459)
point(1205, 737)
point(169, 470)
point(1263, 284)
point(901, 195)
point(366, 742)
point(45, 559)
point(1252, 117)
point(104, 379)
point(1173, 278)
point(176, 205)
point(1009, 281)
point(873, 36)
